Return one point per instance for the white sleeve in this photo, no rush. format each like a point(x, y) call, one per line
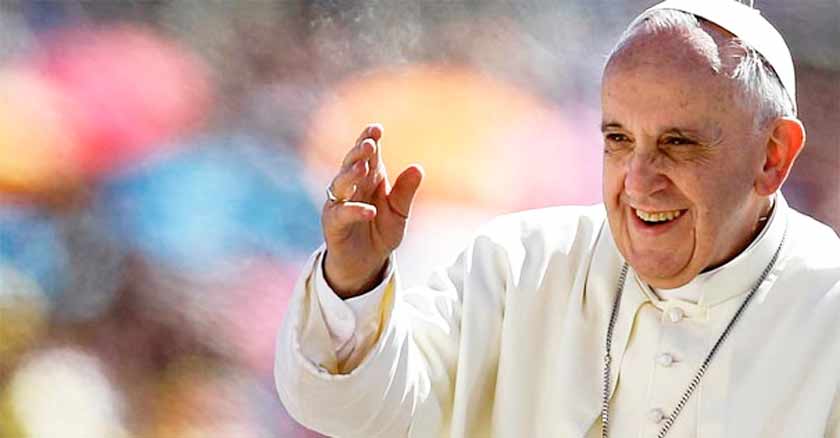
point(433, 365)
point(404, 384)
point(353, 323)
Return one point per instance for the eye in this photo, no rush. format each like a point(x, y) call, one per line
point(679, 141)
point(617, 138)
point(615, 142)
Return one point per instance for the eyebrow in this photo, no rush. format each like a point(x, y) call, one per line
point(682, 132)
point(673, 130)
point(610, 125)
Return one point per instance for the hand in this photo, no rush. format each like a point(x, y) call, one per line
point(368, 221)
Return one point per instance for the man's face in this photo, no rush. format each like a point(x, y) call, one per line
point(681, 159)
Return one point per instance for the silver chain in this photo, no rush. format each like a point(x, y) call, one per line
point(695, 382)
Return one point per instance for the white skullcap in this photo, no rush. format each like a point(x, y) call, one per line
point(749, 26)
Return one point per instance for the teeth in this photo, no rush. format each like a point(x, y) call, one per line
point(661, 216)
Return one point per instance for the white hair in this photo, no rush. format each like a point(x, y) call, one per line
point(756, 79)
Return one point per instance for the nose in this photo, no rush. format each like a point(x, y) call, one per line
point(643, 177)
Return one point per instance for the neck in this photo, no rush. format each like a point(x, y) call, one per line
point(758, 221)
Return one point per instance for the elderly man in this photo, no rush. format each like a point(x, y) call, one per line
point(693, 303)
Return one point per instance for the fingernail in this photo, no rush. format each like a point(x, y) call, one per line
point(372, 143)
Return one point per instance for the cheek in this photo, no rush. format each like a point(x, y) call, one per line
point(717, 192)
point(718, 199)
point(613, 180)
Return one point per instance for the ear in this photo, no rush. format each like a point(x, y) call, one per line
point(787, 137)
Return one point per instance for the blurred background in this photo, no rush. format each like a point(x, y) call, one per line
point(162, 166)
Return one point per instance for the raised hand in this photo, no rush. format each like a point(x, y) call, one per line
point(366, 221)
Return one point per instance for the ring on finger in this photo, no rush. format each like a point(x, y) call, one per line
point(332, 197)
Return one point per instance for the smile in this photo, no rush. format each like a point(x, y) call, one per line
point(657, 216)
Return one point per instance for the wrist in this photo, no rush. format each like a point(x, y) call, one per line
point(355, 281)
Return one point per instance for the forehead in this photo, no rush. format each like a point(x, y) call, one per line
point(692, 47)
point(676, 74)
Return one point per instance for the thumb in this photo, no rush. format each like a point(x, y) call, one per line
point(405, 187)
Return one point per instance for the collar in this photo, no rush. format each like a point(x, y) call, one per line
point(730, 280)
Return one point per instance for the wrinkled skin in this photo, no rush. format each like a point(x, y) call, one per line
point(678, 137)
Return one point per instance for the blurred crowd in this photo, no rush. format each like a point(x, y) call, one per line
point(162, 166)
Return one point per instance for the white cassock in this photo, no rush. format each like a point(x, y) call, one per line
point(509, 340)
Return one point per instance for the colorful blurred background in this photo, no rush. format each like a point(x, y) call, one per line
point(162, 166)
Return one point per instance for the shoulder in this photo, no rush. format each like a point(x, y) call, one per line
point(553, 230)
point(811, 279)
point(815, 250)
point(563, 222)
point(814, 241)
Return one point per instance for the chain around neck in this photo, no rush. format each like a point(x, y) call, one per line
point(695, 381)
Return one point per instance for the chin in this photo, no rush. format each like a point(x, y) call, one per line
point(661, 270)
point(664, 279)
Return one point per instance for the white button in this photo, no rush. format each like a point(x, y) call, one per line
point(665, 359)
point(656, 415)
point(675, 314)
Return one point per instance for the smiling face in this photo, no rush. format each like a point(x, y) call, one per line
point(682, 157)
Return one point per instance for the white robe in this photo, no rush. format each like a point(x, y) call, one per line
point(509, 342)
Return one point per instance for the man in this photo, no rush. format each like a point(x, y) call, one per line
point(693, 303)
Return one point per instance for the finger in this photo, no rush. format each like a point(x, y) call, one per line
point(364, 150)
point(405, 188)
point(372, 130)
point(346, 183)
point(376, 158)
point(342, 215)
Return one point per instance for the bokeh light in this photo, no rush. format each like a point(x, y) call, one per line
point(202, 210)
point(131, 91)
point(36, 139)
point(64, 393)
point(31, 243)
point(163, 164)
point(462, 125)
